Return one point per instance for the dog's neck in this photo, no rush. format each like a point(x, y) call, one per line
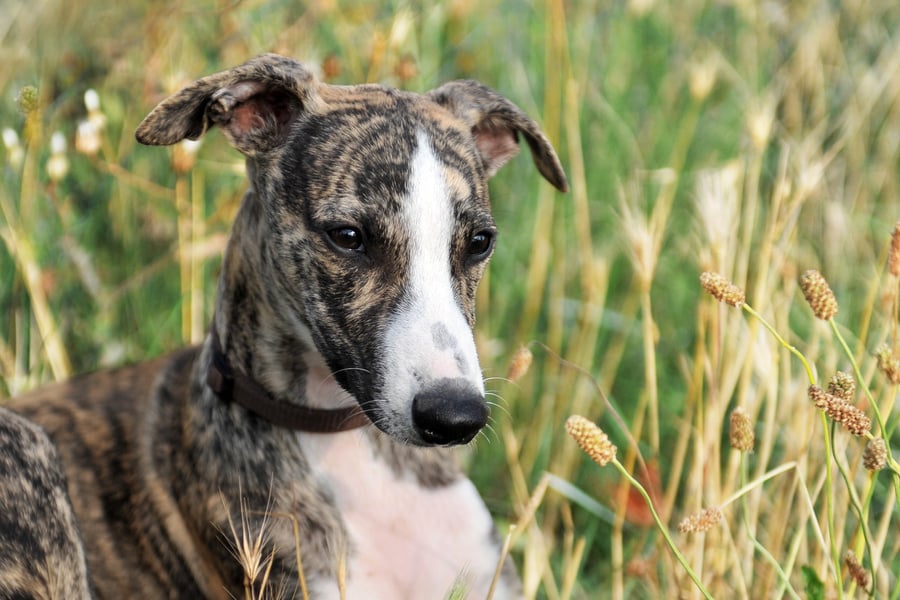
point(254, 338)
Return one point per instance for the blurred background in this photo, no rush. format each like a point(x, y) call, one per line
point(755, 139)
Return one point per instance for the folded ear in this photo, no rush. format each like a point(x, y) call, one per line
point(496, 124)
point(254, 104)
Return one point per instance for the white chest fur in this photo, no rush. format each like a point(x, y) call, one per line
point(407, 540)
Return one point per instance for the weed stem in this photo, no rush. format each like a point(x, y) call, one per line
point(662, 528)
point(809, 370)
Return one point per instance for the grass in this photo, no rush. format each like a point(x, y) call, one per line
point(752, 140)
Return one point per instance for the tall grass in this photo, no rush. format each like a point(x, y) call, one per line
point(752, 140)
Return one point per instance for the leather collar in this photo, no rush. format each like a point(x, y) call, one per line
point(230, 386)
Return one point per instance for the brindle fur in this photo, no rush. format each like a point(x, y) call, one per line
point(40, 546)
point(158, 466)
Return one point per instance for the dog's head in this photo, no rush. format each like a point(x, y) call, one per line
point(373, 225)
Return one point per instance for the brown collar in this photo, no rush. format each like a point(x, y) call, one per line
point(249, 394)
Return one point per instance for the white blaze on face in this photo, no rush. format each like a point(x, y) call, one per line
point(429, 338)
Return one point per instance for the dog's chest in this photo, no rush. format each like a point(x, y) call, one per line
point(407, 540)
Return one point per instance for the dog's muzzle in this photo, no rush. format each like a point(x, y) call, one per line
point(449, 412)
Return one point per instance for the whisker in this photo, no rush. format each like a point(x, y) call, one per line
point(332, 376)
point(501, 407)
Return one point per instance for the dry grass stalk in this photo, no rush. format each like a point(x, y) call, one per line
point(894, 256)
point(301, 573)
point(249, 549)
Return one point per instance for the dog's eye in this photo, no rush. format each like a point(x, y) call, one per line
point(346, 238)
point(480, 245)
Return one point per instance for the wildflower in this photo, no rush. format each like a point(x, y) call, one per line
point(721, 289)
point(87, 138)
point(88, 135)
point(740, 431)
point(894, 256)
point(842, 385)
point(519, 364)
point(58, 163)
point(15, 153)
point(591, 439)
point(856, 570)
point(705, 520)
point(818, 294)
point(840, 411)
point(875, 455)
point(887, 363)
point(92, 104)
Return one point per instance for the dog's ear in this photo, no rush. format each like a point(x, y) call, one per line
point(254, 104)
point(496, 124)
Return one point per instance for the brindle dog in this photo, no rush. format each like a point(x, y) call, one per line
point(346, 299)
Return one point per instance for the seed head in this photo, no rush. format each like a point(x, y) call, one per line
point(875, 455)
point(519, 364)
point(819, 295)
point(721, 289)
point(894, 256)
point(740, 431)
point(857, 572)
point(840, 411)
point(842, 385)
point(705, 520)
point(888, 363)
point(29, 101)
point(591, 439)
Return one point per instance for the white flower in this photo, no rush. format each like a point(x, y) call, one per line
point(58, 163)
point(15, 153)
point(87, 138)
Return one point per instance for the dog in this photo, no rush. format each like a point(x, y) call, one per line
point(304, 449)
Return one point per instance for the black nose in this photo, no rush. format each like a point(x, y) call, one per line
point(449, 412)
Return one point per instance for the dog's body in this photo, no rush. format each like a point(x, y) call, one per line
point(348, 282)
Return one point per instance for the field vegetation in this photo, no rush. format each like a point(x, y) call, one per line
point(757, 142)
